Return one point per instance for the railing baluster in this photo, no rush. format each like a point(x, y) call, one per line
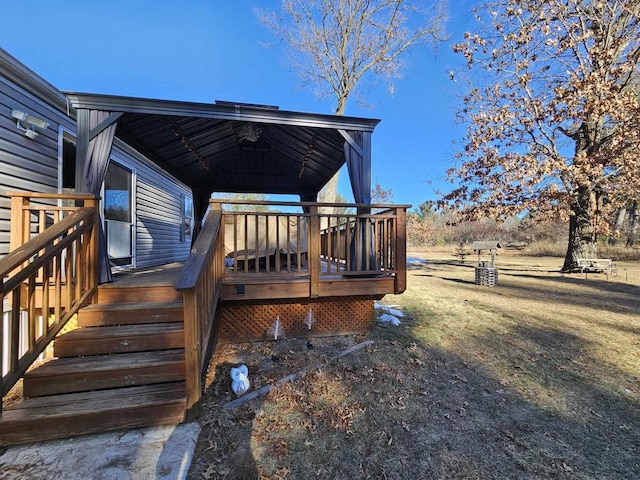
point(58, 285)
point(42, 222)
point(379, 242)
point(68, 277)
point(46, 281)
point(289, 241)
point(277, 254)
point(385, 247)
point(300, 219)
point(392, 243)
point(329, 250)
point(347, 243)
point(86, 260)
point(267, 252)
point(14, 338)
point(359, 239)
point(31, 312)
point(255, 243)
point(246, 243)
point(353, 243)
point(368, 243)
point(30, 268)
point(78, 267)
point(236, 247)
point(335, 244)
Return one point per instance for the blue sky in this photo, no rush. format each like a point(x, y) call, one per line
point(207, 50)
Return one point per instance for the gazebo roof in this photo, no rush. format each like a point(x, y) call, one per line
point(232, 147)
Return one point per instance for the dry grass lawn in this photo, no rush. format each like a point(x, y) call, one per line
point(535, 378)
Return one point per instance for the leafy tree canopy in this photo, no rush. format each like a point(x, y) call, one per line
point(553, 111)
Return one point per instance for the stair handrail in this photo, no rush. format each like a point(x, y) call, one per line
point(42, 248)
point(200, 282)
point(61, 256)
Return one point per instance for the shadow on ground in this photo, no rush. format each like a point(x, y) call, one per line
point(403, 409)
point(519, 399)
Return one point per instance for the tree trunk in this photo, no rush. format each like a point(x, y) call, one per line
point(633, 225)
point(580, 237)
point(329, 192)
point(617, 226)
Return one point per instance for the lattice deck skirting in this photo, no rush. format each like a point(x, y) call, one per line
point(249, 321)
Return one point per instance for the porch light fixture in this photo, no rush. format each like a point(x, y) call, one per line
point(30, 121)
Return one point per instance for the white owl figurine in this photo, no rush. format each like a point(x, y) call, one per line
point(240, 380)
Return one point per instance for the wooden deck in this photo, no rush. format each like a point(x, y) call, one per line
point(162, 275)
point(140, 346)
point(332, 282)
point(128, 349)
point(122, 367)
point(259, 285)
point(251, 286)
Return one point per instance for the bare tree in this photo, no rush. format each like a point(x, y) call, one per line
point(336, 45)
point(554, 117)
point(250, 197)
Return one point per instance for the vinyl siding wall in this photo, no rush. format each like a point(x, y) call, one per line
point(32, 165)
point(25, 164)
point(158, 217)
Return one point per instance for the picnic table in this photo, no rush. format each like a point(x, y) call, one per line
point(596, 265)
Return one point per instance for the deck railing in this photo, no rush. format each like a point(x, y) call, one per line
point(362, 240)
point(266, 241)
point(361, 244)
point(48, 275)
point(199, 283)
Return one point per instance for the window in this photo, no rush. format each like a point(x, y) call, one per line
point(66, 161)
point(187, 218)
point(118, 213)
point(117, 193)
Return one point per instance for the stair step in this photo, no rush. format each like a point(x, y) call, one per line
point(111, 293)
point(62, 416)
point(80, 374)
point(129, 313)
point(119, 339)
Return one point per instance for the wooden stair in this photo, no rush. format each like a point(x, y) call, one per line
point(124, 367)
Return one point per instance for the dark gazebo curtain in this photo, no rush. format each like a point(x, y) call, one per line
point(358, 159)
point(200, 205)
point(95, 139)
point(357, 154)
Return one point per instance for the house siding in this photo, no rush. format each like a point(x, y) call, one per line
point(25, 164)
point(159, 218)
point(32, 165)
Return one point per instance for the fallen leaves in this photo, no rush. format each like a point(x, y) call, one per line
point(341, 419)
point(407, 397)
